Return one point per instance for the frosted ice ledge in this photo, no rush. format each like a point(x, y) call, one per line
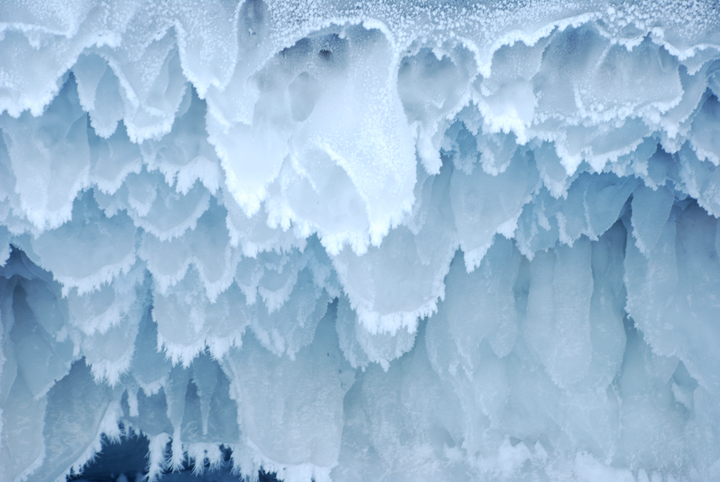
point(360, 241)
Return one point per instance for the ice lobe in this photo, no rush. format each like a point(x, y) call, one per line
point(401, 240)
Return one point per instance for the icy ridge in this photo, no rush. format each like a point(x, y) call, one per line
point(357, 240)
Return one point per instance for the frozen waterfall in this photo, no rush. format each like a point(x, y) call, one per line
point(361, 241)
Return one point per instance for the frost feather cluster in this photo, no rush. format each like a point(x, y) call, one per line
point(357, 241)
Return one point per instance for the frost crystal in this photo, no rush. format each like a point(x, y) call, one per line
point(362, 241)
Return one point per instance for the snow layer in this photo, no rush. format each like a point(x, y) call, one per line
point(414, 240)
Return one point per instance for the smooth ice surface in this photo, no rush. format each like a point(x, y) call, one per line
point(361, 241)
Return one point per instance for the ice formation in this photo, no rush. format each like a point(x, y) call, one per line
point(362, 241)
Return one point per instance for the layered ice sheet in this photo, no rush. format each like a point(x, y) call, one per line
point(362, 241)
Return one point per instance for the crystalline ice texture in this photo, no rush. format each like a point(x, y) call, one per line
point(362, 241)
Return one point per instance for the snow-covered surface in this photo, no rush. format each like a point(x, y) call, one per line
point(362, 241)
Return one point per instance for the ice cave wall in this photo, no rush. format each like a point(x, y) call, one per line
point(413, 240)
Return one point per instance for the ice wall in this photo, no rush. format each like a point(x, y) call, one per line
point(362, 241)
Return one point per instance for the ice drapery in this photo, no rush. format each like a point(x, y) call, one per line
point(357, 241)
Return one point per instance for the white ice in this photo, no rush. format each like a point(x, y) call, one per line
point(362, 241)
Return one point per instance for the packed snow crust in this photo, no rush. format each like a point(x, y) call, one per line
point(362, 241)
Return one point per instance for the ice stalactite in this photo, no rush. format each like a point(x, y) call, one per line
point(360, 241)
